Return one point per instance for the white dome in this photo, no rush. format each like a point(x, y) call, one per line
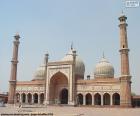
point(104, 69)
point(79, 67)
point(40, 73)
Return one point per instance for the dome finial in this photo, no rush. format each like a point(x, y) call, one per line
point(103, 55)
point(71, 45)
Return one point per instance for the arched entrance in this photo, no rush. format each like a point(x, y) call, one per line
point(57, 93)
point(23, 97)
point(41, 98)
point(64, 96)
point(106, 99)
point(35, 98)
point(80, 99)
point(97, 99)
point(29, 98)
point(88, 99)
point(116, 99)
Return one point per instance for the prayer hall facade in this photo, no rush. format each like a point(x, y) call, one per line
point(63, 81)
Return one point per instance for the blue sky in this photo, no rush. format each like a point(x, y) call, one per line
point(51, 25)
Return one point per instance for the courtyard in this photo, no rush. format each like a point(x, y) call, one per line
point(72, 111)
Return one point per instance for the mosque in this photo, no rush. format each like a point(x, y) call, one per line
point(63, 81)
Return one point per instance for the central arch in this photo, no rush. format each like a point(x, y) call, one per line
point(58, 89)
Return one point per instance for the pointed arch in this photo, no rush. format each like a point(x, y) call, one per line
point(64, 96)
point(58, 73)
point(58, 82)
point(88, 99)
point(116, 99)
point(97, 99)
point(35, 96)
point(29, 96)
point(42, 98)
point(80, 99)
point(23, 95)
point(106, 99)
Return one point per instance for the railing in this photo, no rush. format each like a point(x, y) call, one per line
point(27, 114)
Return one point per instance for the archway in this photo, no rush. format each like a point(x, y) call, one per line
point(35, 98)
point(106, 99)
point(29, 95)
point(57, 83)
point(80, 99)
point(97, 99)
point(88, 99)
point(116, 99)
point(23, 97)
point(64, 96)
point(41, 98)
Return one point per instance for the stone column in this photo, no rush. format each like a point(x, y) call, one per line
point(20, 98)
point(38, 98)
point(26, 99)
point(92, 99)
point(32, 98)
point(13, 77)
point(111, 99)
point(84, 99)
point(102, 100)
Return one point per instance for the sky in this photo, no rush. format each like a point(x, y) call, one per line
point(52, 25)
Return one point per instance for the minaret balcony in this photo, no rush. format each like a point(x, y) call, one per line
point(124, 50)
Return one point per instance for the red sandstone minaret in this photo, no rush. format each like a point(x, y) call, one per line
point(13, 77)
point(125, 99)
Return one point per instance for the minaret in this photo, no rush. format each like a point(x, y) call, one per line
point(46, 64)
point(125, 97)
point(13, 77)
point(73, 77)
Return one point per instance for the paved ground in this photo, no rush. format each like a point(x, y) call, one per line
point(75, 111)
